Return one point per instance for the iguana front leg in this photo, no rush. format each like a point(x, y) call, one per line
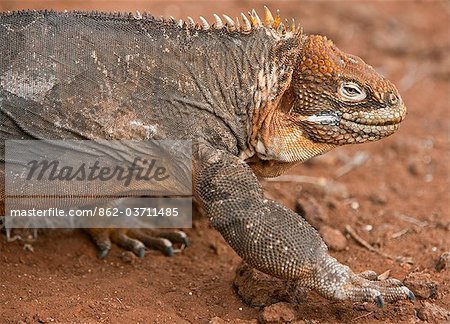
point(272, 238)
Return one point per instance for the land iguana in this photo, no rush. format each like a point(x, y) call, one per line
point(255, 96)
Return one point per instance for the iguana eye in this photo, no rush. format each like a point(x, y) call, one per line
point(352, 91)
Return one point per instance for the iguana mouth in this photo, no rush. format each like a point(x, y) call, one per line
point(375, 122)
point(336, 118)
point(380, 117)
point(325, 118)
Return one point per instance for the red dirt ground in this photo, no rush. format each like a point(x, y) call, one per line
point(398, 200)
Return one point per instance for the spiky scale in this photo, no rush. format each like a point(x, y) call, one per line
point(138, 15)
point(268, 18)
point(191, 22)
point(218, 24)
point(230, 23)
point(247, 26)
point(205, 24)
point(256, 18)
point(277, 20)
point(238, 23)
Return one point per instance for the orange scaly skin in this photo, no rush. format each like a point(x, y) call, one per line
point(315, 114)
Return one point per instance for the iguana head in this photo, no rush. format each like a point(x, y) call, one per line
point(339, 99)
point(333, 99)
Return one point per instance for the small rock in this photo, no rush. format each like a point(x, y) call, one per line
point(278, 313)
point(421, 285)
point(334, 239)
point(367, 227)
point(218, 320)
point(354, 205)
point(444, 262)
point(416, 168)
point(378, 198)
point(213, 247)
point(330, 202)
point(28, 247)
point(217, 247)
point(308, 207)
point(432, 313)
point(243, 321)
point(259, 289)
point(128, 257)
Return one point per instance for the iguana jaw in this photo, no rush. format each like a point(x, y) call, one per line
point(299, 138)
point(335, 118)
point(358, 127)
point(339, 99)
point(282, 141)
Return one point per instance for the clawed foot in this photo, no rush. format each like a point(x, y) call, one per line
point(367, 287)
point(336, 281)
point(25, 235)
point(137, 240)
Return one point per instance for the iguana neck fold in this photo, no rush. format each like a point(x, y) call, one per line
point(274, 135)
point(329, 98)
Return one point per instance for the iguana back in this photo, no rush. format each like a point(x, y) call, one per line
point(84, 76)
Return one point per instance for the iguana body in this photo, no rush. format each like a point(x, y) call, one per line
point(255, 99)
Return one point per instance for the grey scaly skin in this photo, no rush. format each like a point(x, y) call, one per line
point(255, 99)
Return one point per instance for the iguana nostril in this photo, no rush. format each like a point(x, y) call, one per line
point(392, 98)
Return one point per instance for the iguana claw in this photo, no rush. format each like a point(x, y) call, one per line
point(102, 252)
point(410, 295)
point(22, 234)
point(168, 251)
point(379, 300)
point(334, 280)
point(141, 252)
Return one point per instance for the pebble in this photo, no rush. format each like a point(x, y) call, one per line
point(28, 247)
point(416, 168)
point(421, 285)
point(432, 313)
point(218, 320)
point(354, 205)
point(129, 257)
point(258, 289)
point(443, 262)
point(378, 198)
point(278, 313)
point(218, 248)
point(334, 239)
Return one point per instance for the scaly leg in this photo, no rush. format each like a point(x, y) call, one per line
point(272, 238)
